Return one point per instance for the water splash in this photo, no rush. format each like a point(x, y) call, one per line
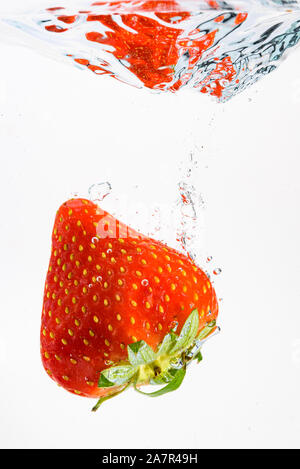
point(180, 223)
point(215, 47)
point(98, 192)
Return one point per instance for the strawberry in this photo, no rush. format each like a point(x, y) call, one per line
point(156, 41)
point(119, 308)
point(150, 48)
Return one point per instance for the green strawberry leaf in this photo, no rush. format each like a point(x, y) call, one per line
point(135, 346)
point(104, 382)
point(119, 374)
point(188, 332)
point(140, 353)
point(168, 342)
point(199, 357)
point(178, 376)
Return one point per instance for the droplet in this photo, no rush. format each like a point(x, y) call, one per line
point(108, 362)
point(95, 239)
point(209, 258)
point(145, 282)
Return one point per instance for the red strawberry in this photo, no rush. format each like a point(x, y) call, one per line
point(163, 50)
point(112, 296)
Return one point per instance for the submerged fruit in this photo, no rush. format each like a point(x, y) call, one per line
point(160, 44)
point(112, 303)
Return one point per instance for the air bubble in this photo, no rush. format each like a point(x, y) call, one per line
point(217, 271)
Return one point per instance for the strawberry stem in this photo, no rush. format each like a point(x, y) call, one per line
point(106, 398)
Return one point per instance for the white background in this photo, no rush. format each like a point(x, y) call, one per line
point(61, 130)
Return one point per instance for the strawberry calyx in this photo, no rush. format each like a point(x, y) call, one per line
point(166, 366)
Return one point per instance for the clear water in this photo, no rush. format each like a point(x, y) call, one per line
point(215, 47)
